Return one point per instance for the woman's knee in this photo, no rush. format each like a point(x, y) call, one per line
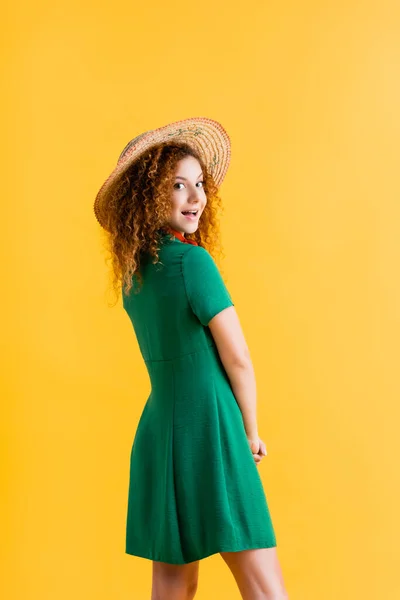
point(174, 582)
point(167, 589)
point(257, 573)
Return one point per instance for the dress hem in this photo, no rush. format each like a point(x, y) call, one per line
point(254, 546)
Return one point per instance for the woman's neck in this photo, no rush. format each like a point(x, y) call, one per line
point(179, 235)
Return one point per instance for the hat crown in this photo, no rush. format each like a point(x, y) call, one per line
point(129, 145)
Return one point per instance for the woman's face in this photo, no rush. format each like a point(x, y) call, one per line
point(187, 195)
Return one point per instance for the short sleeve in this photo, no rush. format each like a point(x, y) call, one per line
point(205, 288)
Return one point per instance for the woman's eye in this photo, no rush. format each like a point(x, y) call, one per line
point(180, 183)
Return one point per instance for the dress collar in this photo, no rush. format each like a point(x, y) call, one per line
point(179, 236)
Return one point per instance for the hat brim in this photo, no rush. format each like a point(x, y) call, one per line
point(207, 136)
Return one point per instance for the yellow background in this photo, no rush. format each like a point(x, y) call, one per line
point(309, 93)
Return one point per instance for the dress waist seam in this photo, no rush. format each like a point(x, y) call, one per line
point(150, 360)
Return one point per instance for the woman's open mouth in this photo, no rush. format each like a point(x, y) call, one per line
point(190, 214)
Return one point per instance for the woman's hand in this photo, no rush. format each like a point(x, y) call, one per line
point(258, 449)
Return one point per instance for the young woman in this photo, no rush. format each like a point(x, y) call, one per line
point(194, 487)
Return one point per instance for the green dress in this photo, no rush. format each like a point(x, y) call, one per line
point(194, 488)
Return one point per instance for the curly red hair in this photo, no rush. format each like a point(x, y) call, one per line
point(139, 205)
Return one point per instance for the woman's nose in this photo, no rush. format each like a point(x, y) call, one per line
point(197, 195)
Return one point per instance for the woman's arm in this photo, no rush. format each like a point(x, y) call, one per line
point(229, 338)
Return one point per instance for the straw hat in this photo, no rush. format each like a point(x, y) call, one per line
point(206, 136)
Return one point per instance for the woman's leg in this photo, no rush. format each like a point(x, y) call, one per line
point(174, 582)
point(257, 573)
